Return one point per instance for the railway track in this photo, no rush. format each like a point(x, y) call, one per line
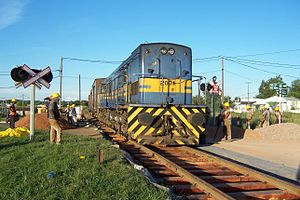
point(194, 174)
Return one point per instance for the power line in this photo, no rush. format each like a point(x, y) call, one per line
point(262, 70)
point(238, 75)
point(266, 63)
point(203, 61)
point(208, 72)
point(206, 58)
point(8, 87)
point(68, 76)
point(93, 61)
point(270, 53)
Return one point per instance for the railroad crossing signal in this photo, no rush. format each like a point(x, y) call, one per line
point(26, 76)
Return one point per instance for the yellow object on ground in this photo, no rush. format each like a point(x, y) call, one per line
point(16, 132)
point(82, 157)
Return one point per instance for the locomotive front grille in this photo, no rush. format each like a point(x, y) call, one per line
point(169, 125)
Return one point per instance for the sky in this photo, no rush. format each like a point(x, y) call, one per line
point(39, 32)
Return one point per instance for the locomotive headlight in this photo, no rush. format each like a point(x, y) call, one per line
point(164, 50)
point(171, 51)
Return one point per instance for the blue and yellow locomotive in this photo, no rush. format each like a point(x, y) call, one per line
point(148, 98)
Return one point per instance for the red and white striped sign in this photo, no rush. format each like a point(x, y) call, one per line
point(215, 88)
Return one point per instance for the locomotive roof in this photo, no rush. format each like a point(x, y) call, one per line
point(133, 54)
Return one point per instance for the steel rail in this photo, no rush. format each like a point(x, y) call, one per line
point(280, 184)
point(194, 180)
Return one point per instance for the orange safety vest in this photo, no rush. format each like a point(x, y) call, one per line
point(12, 110)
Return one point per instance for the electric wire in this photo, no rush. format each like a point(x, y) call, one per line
point(92, 61)
point(270, 53)
point(206, 58)
point(209, 72)
point(7, 87)
point(204, 61)
point(266, 63)
point(262, 70)
point(238, 75)
point(82, 77)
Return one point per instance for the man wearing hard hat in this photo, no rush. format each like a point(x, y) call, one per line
point(227, 121)
point(12, 115)
point(53, 115)
point(266, 116)
point(249, 116)
point(278, 115)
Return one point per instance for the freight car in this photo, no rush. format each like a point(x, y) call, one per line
point(148, 98)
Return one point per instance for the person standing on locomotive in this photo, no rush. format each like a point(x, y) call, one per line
point(227, 121)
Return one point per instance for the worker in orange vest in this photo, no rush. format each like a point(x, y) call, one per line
point(12, 115)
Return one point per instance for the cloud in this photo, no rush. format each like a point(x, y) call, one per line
point(11, 11)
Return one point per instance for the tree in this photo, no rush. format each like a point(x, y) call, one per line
point(264, 88)
point(295, 89)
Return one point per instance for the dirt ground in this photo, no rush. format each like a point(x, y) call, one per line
point(278, 143)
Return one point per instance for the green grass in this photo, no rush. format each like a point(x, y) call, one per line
point(25, 165)
point(287, 118)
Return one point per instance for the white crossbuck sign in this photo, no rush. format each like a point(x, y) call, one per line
point(36, 77)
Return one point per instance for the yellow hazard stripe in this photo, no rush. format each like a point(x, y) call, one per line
point(185, 121)
point(158, 141)
point(195, 110)
point(134, 114)
point(200, 127)
point(179, 142)
point(132, 127)
point(150, 131)
point(176, 133)
point(142, 128)
point(186, 111)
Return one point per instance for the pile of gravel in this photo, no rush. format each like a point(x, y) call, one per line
point(41, 122)
point(276, 132)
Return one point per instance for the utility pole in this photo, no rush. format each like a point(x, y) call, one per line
point(79, 88)
point(248, 91)
point(60, 80)
point(223, 89)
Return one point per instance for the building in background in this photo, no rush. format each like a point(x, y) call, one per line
point(287, 104)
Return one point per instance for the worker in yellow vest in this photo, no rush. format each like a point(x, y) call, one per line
point(278, 115)
point(227, 121)
point(249, 116)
